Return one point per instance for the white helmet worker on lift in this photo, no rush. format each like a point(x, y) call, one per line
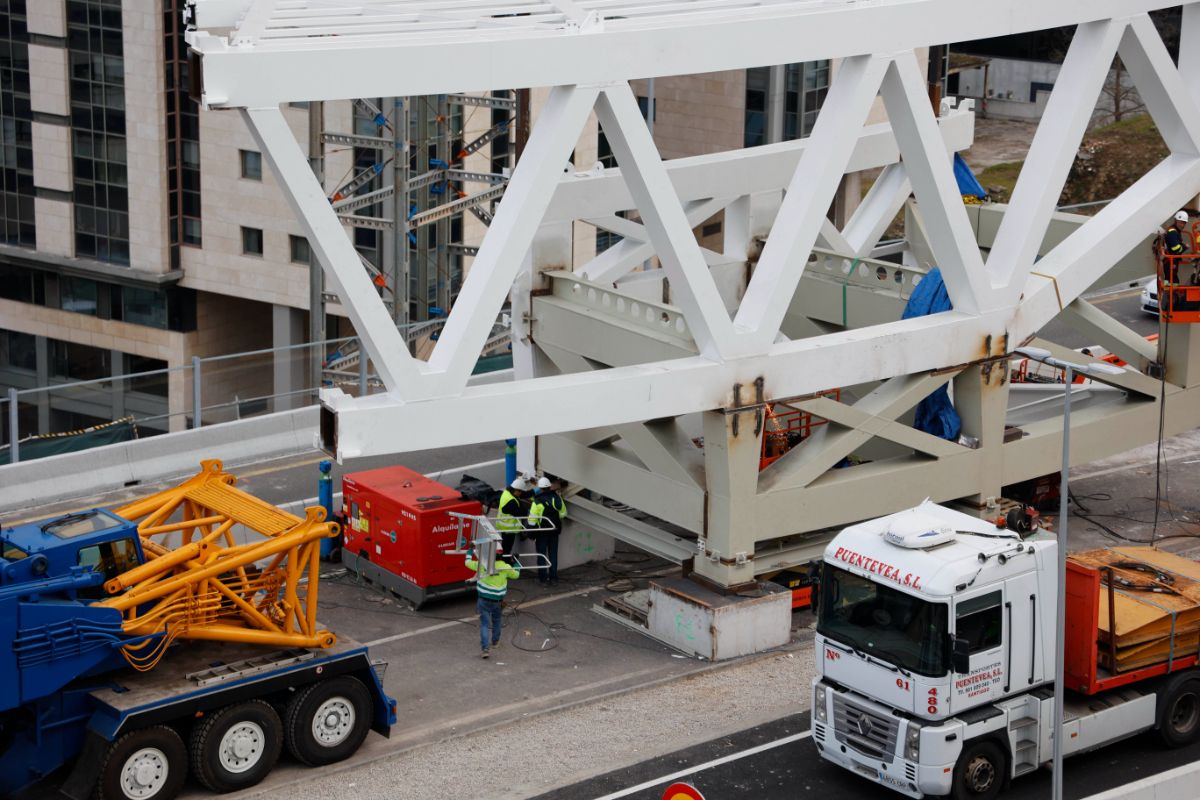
point(1176, 243)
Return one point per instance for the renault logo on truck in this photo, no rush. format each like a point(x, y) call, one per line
point(863, 725)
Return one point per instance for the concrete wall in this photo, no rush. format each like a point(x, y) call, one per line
point(228, 202)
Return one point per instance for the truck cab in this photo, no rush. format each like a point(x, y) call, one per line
point(933, 628)
point(95, 541)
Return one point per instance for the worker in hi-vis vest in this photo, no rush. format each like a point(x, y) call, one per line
point(1175, 246)
point(511, 513)
point(549, 511)
point(491, 590)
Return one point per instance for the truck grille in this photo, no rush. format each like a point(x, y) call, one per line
point(867, 732)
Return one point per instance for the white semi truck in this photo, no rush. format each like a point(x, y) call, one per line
point(935, 657)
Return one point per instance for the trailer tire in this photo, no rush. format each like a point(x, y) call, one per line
point(1179, 712)
point(235, 747)
point(980, 772)
point(146, 764)
point(327, 721)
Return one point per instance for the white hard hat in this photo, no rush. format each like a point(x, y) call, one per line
point(543, 482)
point(520, 484)
point(1181, 216)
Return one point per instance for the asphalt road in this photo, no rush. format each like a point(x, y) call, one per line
point(786, 766)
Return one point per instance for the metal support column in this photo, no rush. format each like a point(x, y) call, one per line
point(14, 427)
point(197, 408)
point(442, 233)
point(399, 265)
point(316, 275)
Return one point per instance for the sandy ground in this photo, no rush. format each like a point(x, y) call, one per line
point(998, 141)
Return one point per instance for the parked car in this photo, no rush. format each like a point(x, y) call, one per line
point(1150, 296)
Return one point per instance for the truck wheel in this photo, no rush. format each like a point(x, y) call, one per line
point(148, 764)
point(1179, 714)
point(327, 721)
point(235, 748)
point(979, 773)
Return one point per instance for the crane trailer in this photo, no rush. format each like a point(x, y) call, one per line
point(174, 634)
point(935, 651)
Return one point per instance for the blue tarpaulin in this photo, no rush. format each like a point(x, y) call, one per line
point(968, 184)
point(935, 414)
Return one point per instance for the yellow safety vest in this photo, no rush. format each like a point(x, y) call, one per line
point(507, 522)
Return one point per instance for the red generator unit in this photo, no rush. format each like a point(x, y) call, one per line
point(397, 530)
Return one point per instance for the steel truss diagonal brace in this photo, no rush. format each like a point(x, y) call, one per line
point(399, 371)
point(871, 415)
point(511, 233)
point(809, 194)
point(665, 221)
point(929, 169)
point(1051, 155)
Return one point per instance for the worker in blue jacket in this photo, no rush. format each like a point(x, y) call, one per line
point(491, 588)
point(549, 511)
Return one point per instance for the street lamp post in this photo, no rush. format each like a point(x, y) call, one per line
point(1069, 368)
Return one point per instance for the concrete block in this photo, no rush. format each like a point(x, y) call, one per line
point(697, 620)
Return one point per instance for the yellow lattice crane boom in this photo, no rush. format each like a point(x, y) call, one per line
point(220, 565)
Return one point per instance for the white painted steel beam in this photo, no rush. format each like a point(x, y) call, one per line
point(1051, 154)
point(809, 196)
point(342, 264)
point(667, 225)
point(739, 172)
point(510, 235)
point(382, 48)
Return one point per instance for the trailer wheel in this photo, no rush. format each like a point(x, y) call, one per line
point(235, 747)
point(326, 722)
point(1179, 713)
point(979, 773)
point(147, 764)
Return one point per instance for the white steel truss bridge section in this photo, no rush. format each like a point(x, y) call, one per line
point(734, 337)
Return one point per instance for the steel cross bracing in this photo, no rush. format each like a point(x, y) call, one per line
point(739, 354)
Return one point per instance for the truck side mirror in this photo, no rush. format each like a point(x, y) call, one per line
point(960, 656)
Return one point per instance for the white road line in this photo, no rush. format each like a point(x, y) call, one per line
point(442, 625)
point(683, 773)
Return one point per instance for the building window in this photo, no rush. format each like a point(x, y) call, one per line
point(17, 225)
point(758, 82)
point(146, 384)
point(252, 241)
point(78, 362)
point(301, 252)
point(805, 88)
point(97, 70)
point(18, 351)
point(79, 295)
point(251, 164)
point(144, 307)
point(21, 284)
point(183, 137)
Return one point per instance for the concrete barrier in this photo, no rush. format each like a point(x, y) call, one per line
point(1174, 784)
point(28, 484)
point(31, 483)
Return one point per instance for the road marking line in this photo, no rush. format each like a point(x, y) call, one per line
point(442, 625)
point(683, 773)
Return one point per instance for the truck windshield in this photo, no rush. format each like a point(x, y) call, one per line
point(885, 623)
